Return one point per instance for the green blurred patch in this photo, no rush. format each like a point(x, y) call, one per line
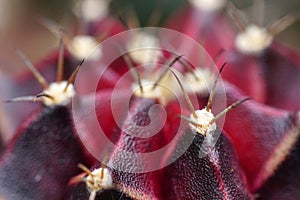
point(146, 10)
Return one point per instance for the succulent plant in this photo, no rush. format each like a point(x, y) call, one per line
point(203, 112)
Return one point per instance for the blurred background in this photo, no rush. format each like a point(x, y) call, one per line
point(20, 28)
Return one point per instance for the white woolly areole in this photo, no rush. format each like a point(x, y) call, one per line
point(101, 179)
point(199, 80)
point(148, 92)
point(253, 40)
point(82, 46)
point(203, 119)
point(166, 90)
point(149, 48)
point(56, 90)
point(208, 5)
point(91, 10)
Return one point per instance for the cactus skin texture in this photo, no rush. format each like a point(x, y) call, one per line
point(42, 157)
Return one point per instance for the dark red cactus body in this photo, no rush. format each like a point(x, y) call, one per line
point(282, 72)
point(80, 191)
point(284, 184)
point(136, 181)
point(266, 76)
point(256, 138)
point(132, 182)
point(113, 73)
point(245, 72)
point(271, 78)
point(90, 134)
point(256, 153)
point(42, 157)
point(215, 176)
point(108, 26)
point(210, 29)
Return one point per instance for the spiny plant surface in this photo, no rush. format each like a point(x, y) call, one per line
point(251, 152)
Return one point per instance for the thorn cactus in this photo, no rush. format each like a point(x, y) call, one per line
point(162, 133)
